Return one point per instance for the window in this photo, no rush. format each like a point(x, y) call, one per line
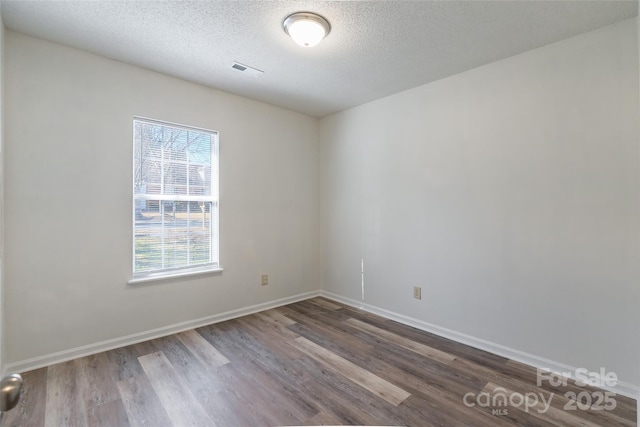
point(175, 199)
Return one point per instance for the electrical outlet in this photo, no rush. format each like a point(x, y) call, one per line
point(417, 292)
point(265, 279)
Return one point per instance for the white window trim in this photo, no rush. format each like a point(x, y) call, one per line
point(167, 274)
point(186, 271)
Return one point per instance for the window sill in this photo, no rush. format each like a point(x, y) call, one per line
point(172, 275)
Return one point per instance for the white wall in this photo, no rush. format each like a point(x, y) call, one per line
point(637, 336)
point(68, 199)
point(2, 310)
point(509, 193)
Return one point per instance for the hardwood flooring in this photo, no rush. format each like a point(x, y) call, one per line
point(315, 362)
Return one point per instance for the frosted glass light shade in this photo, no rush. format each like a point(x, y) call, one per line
point(305, 28)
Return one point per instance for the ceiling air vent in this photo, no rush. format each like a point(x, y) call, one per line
point(247, 69)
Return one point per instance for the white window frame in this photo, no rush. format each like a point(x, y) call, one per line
point(214, 199)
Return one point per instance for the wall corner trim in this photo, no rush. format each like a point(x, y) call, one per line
point(98, 347)
point(622, 388)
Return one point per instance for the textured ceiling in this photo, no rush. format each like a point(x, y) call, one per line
point(374, 49)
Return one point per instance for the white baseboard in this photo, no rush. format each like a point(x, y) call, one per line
point(86, 350)
point(622, 388)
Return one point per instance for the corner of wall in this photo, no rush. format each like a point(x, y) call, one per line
point(2, 350)
point(638, 57)
point(320, 225)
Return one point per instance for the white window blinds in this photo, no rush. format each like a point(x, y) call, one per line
point(175, 198)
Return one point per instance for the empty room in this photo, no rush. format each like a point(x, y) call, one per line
point(286, 213)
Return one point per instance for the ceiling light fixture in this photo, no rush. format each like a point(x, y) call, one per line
point(306, 28)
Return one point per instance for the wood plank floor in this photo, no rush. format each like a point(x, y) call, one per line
point(315, 362)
